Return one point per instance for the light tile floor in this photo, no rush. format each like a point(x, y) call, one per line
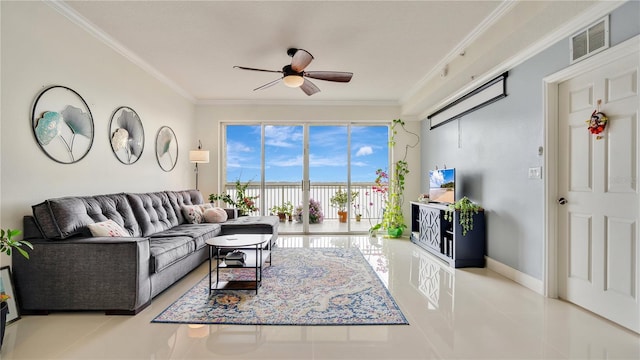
point(453, 314)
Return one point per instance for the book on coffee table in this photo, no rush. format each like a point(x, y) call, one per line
point(235, 258)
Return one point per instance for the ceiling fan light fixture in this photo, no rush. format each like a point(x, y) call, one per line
point(293, 81)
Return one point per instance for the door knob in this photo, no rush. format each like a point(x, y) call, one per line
point(562, 201)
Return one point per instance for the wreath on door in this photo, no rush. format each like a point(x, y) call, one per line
point(598, 122)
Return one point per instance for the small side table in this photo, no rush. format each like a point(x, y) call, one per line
point(245, 242)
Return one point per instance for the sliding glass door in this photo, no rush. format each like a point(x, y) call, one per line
point(318, 177)
point(283, 174)
point(369, 153)
point(329, 178)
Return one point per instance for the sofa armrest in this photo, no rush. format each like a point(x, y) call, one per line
point(110, 274)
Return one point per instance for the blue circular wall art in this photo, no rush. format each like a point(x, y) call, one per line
point(62, 124)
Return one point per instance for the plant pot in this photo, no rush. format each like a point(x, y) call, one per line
point(394, 232)
point(4, 309)
point(282, 217)
point(342, 216)
point(358, 217)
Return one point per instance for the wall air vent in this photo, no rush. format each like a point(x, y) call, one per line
point(590, 41)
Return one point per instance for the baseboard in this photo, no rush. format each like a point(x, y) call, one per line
point(521, 278)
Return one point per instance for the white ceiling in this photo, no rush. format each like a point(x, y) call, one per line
point(395, 49)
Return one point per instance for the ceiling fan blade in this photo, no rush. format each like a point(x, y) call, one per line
point(254, 69)
point(309, 88)
point(268, 85)
point(300, 60)
point(338, 76)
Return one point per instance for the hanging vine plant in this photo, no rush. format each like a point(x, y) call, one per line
point(393, 219)
point(465, 209)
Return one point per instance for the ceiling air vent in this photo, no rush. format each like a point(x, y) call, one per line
point(590, 41)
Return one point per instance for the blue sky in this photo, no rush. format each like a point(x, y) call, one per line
point(439, 177)
point(327, 152)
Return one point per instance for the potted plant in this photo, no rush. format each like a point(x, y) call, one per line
point(465, 209)
point(7, 244)
point(393, 219)
point(316, 216)
point(243, 202)
point(340, 200)
point(283, 211)
point(356, 212)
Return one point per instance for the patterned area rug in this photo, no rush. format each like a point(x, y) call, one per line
point(303, 286)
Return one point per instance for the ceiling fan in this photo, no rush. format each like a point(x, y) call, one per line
point(294, 75)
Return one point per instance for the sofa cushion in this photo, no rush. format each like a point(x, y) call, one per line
point(192, 214)
point(153, 211)
point(185, 197)
point(166, 251)
point(64, 217)
point(107, 228)
point(215, 215)
point(198, 232)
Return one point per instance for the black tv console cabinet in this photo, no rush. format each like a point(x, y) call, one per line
point(444, 239)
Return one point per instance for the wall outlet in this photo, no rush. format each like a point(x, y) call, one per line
point(535, 172)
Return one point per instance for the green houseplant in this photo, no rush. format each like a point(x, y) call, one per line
point(7, 244)
point(340, 200)
point(393, 218)
point(244, 203)
point(283, 211)
point(465, 209)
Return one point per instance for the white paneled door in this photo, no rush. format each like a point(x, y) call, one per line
point(599, 254)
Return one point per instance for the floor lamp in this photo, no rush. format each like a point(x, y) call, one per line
point(198, 157)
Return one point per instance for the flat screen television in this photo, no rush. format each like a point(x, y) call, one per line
point(442, 186)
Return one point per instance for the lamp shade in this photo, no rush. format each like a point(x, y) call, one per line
point(199, 156)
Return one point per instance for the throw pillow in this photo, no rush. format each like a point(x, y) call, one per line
point(215, 215)
point(107, 228)
point(192, 213)
point(206, 206)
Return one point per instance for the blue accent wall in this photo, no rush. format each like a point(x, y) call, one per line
point(493, 148)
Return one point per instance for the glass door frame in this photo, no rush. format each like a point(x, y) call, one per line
point(305, 182)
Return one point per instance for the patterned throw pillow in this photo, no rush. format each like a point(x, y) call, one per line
point(192, 213)
point(107, 228)
point(215, 215)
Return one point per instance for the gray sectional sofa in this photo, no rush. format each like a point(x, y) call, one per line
point(69, 269)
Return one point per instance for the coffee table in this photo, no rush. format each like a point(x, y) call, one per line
point(257, 257)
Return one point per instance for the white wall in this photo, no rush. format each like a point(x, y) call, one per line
point(209, 118)
point(40, 48)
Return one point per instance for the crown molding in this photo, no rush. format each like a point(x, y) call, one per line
point(245, 102)
point(489, 21)
point(82, 22)
point(569, 28)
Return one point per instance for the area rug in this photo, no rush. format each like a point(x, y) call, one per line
point(303, 286)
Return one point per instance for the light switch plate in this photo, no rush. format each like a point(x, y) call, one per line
point(535, 173)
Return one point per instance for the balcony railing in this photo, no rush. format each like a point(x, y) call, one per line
point(367, 203)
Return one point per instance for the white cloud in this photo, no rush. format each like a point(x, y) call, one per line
point(236, 147)
point(316, 161)
point(436, 179)
point(364, 150)
point(282, 136)
point(286, 161)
